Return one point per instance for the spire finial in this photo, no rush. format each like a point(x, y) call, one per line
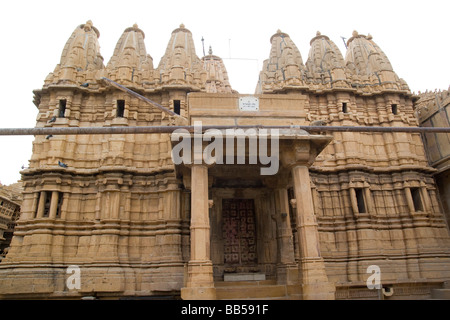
point(182, 25)
point(318, 33)
point(355, 33)
point(88, 25)
point(210, 50)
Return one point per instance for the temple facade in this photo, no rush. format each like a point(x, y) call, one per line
point(119, 216)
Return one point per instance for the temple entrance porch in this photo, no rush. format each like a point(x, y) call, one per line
point(226, 199)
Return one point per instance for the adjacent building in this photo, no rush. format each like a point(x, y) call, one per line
point(433, 110)
point(10, 202)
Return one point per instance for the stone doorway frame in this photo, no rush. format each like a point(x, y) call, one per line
point(263, 210)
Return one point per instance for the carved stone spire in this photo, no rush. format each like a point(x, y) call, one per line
point(284, 66)
point(180, 64)
point(130, 57)
point(81, 55)
point(325, 64)
point(369, 64)
point(216, 74)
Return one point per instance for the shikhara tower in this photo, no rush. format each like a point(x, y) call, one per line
point(138, 225)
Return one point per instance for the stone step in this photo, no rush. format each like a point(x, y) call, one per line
point(250, 292)
point(245, 283)
point(441, 294)
point(244, 277)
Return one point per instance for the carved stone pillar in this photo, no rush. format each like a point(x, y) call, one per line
point(29, 206)
point(41, 205)
point(315, 283)
point(287, 269)
point(409, 199)
point(200, 282)
point(54, 204)
point(298, 151)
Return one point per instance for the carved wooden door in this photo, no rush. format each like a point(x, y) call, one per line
point(239, 232)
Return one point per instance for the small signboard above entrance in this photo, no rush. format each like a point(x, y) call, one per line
point(248, 103)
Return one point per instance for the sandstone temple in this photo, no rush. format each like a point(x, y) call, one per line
point(134, 223)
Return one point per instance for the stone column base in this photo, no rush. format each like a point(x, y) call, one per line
point(287, 274)
point(318, 291)
point(200, 282)
point(315, 283)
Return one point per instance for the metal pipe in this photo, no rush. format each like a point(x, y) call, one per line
point(140, 97)
point(170, 129)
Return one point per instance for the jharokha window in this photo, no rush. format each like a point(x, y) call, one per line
point(360, 201)
point(120, 108)
point(62, 108)
point(48, 198)
point(417, 199)
point(44, 209)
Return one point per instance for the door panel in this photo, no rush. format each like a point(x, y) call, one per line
point(239, 232)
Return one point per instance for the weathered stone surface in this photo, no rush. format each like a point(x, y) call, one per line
point(136, 224)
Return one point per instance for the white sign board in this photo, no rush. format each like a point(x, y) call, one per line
point(248, 104)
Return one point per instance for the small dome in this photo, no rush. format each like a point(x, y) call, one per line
point(135, 28)
point(181, 28)
point(216, 74)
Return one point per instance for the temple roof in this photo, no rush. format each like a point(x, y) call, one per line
point(365, 68)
